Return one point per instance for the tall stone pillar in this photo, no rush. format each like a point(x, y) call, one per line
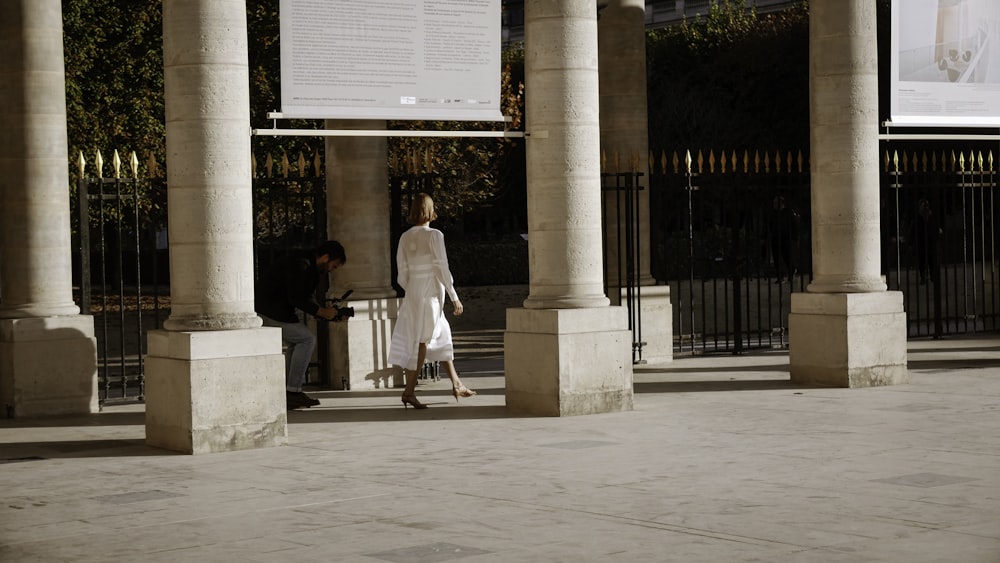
point(48, 353)
point(215, 379)
point(358, 206)
point(567, 351)
point(846, 330)
point(621, 30)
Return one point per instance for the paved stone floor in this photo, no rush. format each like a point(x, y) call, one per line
point(722, 460)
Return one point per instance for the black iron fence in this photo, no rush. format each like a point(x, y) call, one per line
point(121, 275)
point(939, 236)
point(731, 234)
point(290, 216)
point(623, 247)
point(121, 266)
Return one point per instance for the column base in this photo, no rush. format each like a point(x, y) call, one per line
point(656, 321)
point(847, 339)
point(564, 362)
point(48, 366)
point(215, 391)
point(359, 347)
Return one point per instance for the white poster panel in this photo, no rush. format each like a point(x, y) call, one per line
point(390, 59)
point(945, 64)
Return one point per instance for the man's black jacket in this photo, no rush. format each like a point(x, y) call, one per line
point(289, 284)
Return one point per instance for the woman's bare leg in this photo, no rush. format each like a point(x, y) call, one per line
point(458, 389)
point(449, 366)
point(409, 392)
point(421, 355)
point(411, 382)
point(411, 375)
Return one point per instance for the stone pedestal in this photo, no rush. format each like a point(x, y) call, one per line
point(847, 339)
point(215, 391)
point(359, 347)
point(358, 211)
point(656, 317)
point(562, 362)
point(48, 366)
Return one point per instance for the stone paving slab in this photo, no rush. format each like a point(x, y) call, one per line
point(723, 459)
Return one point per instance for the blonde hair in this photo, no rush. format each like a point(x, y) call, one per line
point(421, 210)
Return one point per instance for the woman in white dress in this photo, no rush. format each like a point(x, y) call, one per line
point(422, 333)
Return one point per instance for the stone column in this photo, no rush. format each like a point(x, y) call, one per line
point(567, 351)
point(357, 184)
point(621, 29)
point(847, 330)
point(215, 380)
point(208, 165)
point(48, 353)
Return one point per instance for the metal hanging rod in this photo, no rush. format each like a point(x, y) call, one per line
point(887, 136)
point(935, 137)
point(381, 133)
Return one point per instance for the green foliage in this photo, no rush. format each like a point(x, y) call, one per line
point(726, 24)
point(471, 171)
point(114, 84)
point(731, 79)
point(114, 78)
point(264, 62)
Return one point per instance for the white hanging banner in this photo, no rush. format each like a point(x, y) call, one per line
point(945, 63)
point(390, 59)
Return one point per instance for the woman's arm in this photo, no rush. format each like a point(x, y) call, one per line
point(402, 266)
point(441, 270)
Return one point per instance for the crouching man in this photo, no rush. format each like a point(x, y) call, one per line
point(286, 291)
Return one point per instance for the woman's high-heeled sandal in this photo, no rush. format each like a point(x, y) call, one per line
point(412, 400)
point(462, 391)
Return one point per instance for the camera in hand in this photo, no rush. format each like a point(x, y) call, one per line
point(343, 313)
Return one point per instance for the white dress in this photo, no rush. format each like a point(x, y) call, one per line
point(424, 275)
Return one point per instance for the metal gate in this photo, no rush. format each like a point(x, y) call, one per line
point(623, 245)
point(731, 235)
point(939, 241)
point(122, 274)
point(122, 268)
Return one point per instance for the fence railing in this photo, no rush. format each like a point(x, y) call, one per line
point(121, 269)
point(731, 234)
point(939, 237)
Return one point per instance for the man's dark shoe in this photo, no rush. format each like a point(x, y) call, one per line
point(293, 402)
point(298, 399)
